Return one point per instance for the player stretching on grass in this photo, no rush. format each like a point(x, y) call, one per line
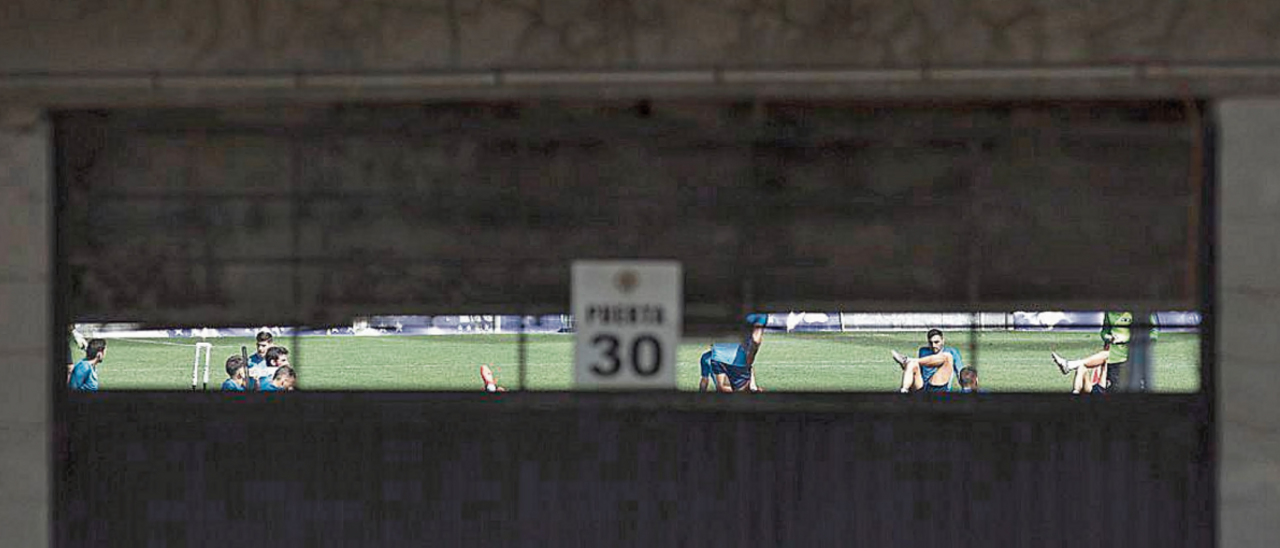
point(708, 368)
point(934, 367)
point(1101, 372)
point(490, 382)
point(733, 364)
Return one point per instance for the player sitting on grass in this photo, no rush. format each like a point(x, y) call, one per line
point(259, 358)
point(1090, 372)
point(84, 375)
point(277, 357)
point(933, 369)
point(733, 364)
point(281, 381)
point(1101, 372)
point(490, 382)
point(235, 375)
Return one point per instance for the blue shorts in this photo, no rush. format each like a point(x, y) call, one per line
point(926, 375)
point(739, 376)
point(936, 389)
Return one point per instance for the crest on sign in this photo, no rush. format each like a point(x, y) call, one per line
point(626, 281)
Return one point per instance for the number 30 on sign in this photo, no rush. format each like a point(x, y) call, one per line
point(627, 316)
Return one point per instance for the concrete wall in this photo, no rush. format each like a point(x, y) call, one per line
point(467, 209)
point(451, 35)
point(26, 189)
point(144, 51)
point(1249, 294)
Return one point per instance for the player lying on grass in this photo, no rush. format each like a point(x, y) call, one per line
point(933, 368)
point(236, 375)
point(1101, 372)
point(732, 364)
point(84, 375)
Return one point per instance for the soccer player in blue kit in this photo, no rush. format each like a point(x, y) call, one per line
point(934, 367)
point(732, 364)
point(281, 381)
point(708, 371)
point(259, 359)
point(236, 373)
point(84, 375)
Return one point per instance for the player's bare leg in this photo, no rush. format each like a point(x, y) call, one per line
point(944, 362)
point(911, 378)
point(722, 383)
point(490, 381)
point(1084, 369)
point(1092, 377)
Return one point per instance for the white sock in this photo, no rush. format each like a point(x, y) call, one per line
point(1072, 365)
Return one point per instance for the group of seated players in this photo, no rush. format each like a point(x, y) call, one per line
point(267, 370)
point(729, 367)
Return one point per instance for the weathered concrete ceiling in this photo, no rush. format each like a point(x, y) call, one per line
point(316, 214)
point(162, 51)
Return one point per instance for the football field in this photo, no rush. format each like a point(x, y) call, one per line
point(853, 361)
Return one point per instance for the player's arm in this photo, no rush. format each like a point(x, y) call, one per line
point(757, 337)
point(751, 385)
point(708, 374)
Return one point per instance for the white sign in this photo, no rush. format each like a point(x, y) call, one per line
point(627, 317)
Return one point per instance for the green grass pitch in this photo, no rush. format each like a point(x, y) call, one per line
point(854, 361)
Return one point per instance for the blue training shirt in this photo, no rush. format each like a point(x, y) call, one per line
point(83, 377)
point(257, 360)
point(231, 386)
point(729, 354)
point(268, 387)
point(731, 358)
point(957, 364)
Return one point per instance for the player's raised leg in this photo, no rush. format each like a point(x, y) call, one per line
point(490, 381)
point(1086, 370)
point(911, 377)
